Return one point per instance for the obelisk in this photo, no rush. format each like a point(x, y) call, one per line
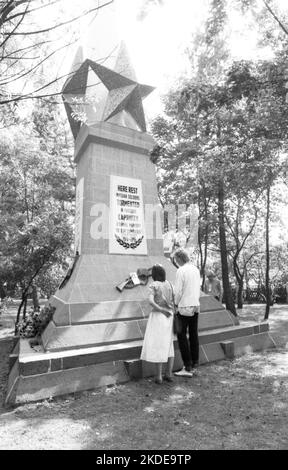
point(96, 334)
point(115, 189)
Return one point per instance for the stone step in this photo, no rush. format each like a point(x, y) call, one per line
point(39, 375)
point(31, 362)
point(80, 335)
point(212, 348)
point(212, 312)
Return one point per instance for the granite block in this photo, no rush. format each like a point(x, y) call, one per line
point(56, 364)
point(228, 348)
point(33, 367)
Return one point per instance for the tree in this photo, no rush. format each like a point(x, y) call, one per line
point(241, 219)
point(228, 136)
point(31, 36)
point(37, 188)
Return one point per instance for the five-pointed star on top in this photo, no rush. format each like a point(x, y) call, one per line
point(125, 93)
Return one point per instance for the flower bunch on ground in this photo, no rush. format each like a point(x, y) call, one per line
point(35, 322)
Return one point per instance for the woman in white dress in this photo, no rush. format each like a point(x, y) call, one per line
point(158, 340)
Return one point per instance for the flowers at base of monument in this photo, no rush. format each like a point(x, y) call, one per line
point(35, 322)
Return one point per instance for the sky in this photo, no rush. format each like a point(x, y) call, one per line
point(157, 43)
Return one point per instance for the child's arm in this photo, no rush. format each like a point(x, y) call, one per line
point(157, 307)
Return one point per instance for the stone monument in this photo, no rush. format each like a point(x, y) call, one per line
point(96, 334)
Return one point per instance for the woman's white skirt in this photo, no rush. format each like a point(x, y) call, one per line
point(158, 340)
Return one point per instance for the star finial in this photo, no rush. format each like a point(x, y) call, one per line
point(124, 93)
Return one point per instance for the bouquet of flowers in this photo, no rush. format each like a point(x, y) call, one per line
point(35, 322)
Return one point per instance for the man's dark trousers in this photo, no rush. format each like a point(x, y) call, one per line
point(189, 350)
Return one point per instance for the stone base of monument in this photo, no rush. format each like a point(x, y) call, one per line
point(96, 335)
point(37, 375)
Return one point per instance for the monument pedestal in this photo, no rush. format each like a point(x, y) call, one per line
point(96, 334)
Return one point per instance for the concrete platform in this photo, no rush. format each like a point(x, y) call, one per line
point(39, 375)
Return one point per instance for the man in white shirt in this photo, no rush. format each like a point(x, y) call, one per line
point(187, 300)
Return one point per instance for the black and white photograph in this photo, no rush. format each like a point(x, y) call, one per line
point(143, 228)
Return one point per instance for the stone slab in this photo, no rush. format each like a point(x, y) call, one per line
point(33, 363)
point(214, 319)
point(223, 334)
point(228, 348)
point(24, 388)
point(39, 387)
point(209, 303)
point(34, 368)
point(103, 356)
point(213, 352)
point(256, 342)
point(56, 364)
point(13, 380)
point(134, 368)
point(12, 359)
point(108, 311)
point(79, 336)
point(109, 133)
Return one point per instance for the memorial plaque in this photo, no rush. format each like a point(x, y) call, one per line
point(126, 225)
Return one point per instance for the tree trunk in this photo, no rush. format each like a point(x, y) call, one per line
point(223, 250)
point(25, 307)
point(240, 282)
point(35, 297)
point(24, 298)
point(267, 280)
point(24, 294)
point(240, 293)
point(246, 277)
point(203, 237)
point(203, 255)
point(2, 292)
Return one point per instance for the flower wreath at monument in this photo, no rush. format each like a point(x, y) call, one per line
point(142, 274)
point(127, 245)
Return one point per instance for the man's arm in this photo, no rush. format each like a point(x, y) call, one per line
point(178, 286)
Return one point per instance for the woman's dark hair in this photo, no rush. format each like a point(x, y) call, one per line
point(158, 273)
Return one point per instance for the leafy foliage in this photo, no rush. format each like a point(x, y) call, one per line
point(222, 142)
point(37, 186)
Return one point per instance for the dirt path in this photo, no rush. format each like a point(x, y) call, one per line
point(240, 404)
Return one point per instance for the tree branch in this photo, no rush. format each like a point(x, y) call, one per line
point(40, 31)
point(10, 18)
point(37, 65)
point(275, 17)
point(17, 25)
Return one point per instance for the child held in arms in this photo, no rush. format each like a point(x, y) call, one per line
point(158, 340)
